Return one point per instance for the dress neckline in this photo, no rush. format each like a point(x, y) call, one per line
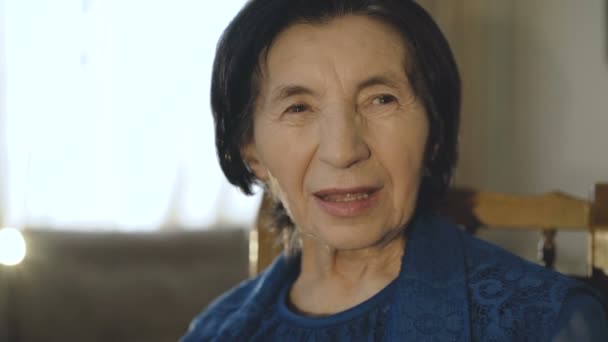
point(361, 309)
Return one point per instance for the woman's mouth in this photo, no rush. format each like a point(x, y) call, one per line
point(349, 197)
point(347, 202)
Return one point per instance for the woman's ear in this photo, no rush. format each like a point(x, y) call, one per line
point(251, 158)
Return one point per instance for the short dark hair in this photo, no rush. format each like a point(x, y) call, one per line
point(430, 69)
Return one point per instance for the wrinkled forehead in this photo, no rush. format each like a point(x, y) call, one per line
point(352, 46)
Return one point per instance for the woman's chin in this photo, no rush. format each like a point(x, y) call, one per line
point(348, 238)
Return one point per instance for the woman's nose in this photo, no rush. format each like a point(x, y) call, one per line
point(342, 142)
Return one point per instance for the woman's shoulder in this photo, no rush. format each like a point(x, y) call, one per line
point(521, 295)
point(487, 262)
point(221, 312)
point(503, 296)
point(484, 261)
point(239, 306)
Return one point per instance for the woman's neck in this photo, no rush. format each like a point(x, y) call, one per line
point(333, 280)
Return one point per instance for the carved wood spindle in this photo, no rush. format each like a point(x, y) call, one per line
point(547, 248)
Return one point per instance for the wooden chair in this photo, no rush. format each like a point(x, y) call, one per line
point(475, 210)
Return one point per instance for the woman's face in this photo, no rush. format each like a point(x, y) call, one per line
point(338, 134)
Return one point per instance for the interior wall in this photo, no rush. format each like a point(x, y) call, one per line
point(534, 118)
point(559, 89)
point(535, 79)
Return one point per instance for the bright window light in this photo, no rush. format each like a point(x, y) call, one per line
point(12, 247)
point(107, 122)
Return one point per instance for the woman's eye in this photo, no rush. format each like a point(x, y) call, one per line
point(383, 99)
point(299, 108)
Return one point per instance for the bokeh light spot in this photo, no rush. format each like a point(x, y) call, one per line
point(12, 247)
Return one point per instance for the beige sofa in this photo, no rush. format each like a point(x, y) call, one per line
point(117, 287)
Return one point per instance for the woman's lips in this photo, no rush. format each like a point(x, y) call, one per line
point(347, 202)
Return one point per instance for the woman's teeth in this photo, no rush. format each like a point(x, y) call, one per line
point(346, 198)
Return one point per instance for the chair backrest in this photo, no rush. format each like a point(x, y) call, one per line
point(264, 244)
point(475, 209)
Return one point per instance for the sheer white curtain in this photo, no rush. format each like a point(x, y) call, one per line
point(106, 115)
point(3, 166)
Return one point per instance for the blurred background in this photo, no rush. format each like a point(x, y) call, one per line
point(534, 115)
point(108, 166)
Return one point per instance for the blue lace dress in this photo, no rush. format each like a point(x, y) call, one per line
point(452, 287)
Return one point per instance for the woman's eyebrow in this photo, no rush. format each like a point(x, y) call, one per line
point(387, 80)
point(285, 91)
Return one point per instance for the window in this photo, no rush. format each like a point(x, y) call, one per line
point(106, 115)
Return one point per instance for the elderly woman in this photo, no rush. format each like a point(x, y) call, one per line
point(346, 112)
